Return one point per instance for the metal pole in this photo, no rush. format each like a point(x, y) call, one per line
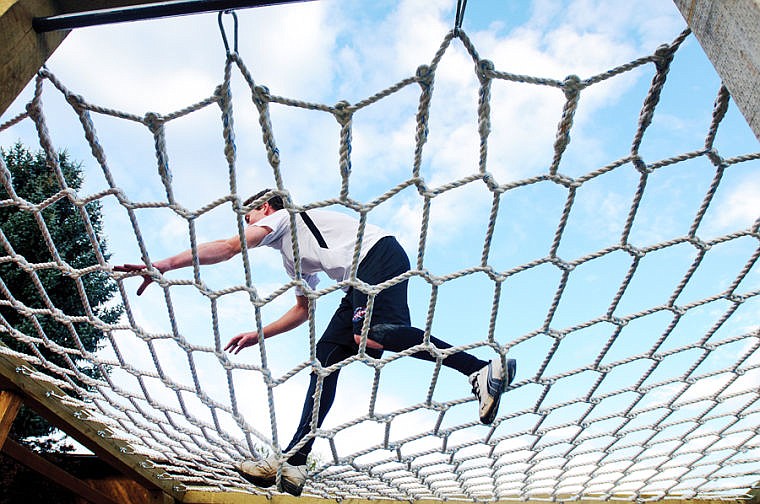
point(141, 12)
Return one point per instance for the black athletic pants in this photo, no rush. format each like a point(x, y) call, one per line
point(390, 326)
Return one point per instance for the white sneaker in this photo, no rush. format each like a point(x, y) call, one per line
point(261, 473)
point(488, 383)
point(293, 478)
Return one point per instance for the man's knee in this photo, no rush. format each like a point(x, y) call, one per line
point(370, 343)
point(328, 353)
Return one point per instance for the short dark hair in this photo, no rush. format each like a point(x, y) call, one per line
point(275, 201)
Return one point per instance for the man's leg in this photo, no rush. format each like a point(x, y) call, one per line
point(391, 327)
point(488, 379)
point(294, 469)
point(327, 354)
point(263, 473)
point(335, 345)
point(398, 338)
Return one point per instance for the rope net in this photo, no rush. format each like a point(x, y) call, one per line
point(620, 403)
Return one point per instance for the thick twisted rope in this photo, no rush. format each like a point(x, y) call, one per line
point(184, 433)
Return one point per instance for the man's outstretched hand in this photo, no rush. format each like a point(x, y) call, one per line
point(242, 341)
point(128, 268)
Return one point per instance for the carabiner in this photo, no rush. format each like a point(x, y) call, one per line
point(224, 34)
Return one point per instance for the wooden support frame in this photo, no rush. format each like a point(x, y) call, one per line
point(42, 397)
point(9, 406)
point(51, 471)
point(114, 490)
point(22, 51)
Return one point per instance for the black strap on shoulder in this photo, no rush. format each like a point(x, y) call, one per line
point(314, 230)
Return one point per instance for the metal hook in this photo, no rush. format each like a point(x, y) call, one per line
point(461, 6)
point(224, 34)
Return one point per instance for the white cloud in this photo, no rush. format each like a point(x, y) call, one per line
point(741, 208)
point(125, 70)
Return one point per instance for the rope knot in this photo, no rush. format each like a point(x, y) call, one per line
point(343, 112)
point(484, 68)
point(634, 251)
point(425, 76)
point(75, 100)
point(219, 92)
point(698, 243)
point(640, 165)
point(261, 95)
point(490, 181)
point(663, 56)
point(714, 157)
point(572, 86)
point(33, 109)
point(153, 121)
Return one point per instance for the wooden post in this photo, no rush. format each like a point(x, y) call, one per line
point(729, 33)
point(9, 406)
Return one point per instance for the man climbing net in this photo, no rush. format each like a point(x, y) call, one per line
point(325, 242)
point(632, 399)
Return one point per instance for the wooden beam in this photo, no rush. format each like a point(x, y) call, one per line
point(40, 396)
point(55, 474)
point(22, 50)
point(729, 33)
point(9, 406)
point(125, 490)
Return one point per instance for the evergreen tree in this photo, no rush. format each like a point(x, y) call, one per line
point(34, 181)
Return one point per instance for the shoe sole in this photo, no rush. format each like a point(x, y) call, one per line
point(489, 414)
point(290, 488)
point(255, 480)
point(511, 371)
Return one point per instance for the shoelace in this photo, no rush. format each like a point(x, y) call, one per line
point(476, 390)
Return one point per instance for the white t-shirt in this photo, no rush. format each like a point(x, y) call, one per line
point(339, 232)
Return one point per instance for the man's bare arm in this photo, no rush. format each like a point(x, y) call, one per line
point(208, 253)
point(291, 319)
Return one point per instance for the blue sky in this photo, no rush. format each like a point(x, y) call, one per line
point(324, 52)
